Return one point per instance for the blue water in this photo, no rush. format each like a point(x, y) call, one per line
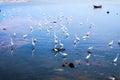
point(23, 64)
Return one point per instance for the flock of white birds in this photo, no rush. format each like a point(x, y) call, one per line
point(58, 45)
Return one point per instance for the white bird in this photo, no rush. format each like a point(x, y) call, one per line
point(55, 36)
point(14, 34)
point(75, 43)
point(11, 42)
point(48, 31)
point(90, 48)
point(56, 41)
point(112, 77)
point(67, 35)
point(24, 36)
point(85, 37)
point(61, 45)
point(31, 28)
point(64, 55)
point(88, 56)
point(116, 58)
point(111, 44)
point(40, 26)
point(12, 46)
point(33, 42)
point(77, 38)
point(87, 34)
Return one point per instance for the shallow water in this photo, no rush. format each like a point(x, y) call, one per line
point(41, 64)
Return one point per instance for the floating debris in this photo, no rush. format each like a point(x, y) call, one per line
point(119, 42)
point(71, 65)
point(59, 70)
point(108, 12)
point(4, 28)
point(65, 64)
point(54, 22)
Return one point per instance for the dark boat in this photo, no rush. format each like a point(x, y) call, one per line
point(97, 6)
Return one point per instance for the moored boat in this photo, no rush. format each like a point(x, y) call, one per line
point(97, 6)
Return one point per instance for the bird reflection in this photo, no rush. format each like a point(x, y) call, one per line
point(87, 62)
point(12, 50)
point(33, 50)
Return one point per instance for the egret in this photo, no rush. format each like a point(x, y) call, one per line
point(90, 48)
point(56, 41)
point(116, 58)
point(61, 45)
point(31, 28)
point(12, 45)
point(67, 35)
point(24, 36)
point(85, 37)
point(14, 34)
point(48, 31)
point(75, 43)
point(64, 55)
point(112, 77)
point(77, 38)
point(88, 56)
point(87, 34)
point(33, 42)
point(111, 44)
point(11, 42)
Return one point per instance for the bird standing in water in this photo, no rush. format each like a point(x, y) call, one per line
point(12, 45)
point(111, 44)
